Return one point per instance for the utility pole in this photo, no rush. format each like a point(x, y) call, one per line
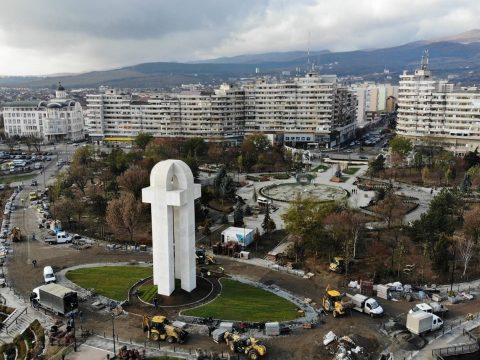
point(453, 268)
point(113, 335)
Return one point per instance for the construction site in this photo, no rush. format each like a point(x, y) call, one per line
point(250, 301)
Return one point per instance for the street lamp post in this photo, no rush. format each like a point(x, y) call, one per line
point(25, 231)
point(113, 335)
point(44, 178)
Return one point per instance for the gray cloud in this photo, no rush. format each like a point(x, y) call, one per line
point(51, 36)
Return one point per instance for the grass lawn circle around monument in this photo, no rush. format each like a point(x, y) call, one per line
point(241, 302)
point(112, 282)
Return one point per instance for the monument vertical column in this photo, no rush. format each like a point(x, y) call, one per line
point(172, 194)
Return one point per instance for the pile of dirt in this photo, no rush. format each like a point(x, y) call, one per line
point(410, 342)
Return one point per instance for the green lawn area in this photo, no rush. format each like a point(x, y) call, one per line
point(350, 170)
point(110, 281)
point(239, 301)
point(320, 167)
point(147, 292)
point(14, 178)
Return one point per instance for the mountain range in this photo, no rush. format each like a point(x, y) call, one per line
point(457, 55)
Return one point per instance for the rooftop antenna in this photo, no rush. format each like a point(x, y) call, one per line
point(425, 59)
point(308, 52)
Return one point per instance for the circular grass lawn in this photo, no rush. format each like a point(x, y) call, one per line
point(112, 282)
point(242, 302)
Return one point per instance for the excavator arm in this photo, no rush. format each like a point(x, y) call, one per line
point(146, 324)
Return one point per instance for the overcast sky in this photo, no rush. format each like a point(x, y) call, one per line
point(58, 36)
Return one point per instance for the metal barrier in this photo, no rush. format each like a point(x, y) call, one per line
point(458, 349)
point(14, 320)
point(455, 350)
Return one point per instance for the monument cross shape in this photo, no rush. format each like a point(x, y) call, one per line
point(172, 194)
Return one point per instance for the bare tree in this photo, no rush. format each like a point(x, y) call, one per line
point(79, 175)
point(66, 213)
point(10, 142)
point(338, 226)
point(466, 247)
point(471, 224)
point(123, 214)
point(134, 180)
point(392, 208)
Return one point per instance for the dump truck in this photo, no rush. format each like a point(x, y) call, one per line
point(333, 302)
point(56, 298)
point(249, 346)
point(431, 308)
point(366, 305)
point(16, 234)
point(421, 322)
point(159, 328)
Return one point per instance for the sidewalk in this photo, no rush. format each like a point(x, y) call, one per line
point(97, 348)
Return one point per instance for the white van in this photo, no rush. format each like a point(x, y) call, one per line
point(49, 275)
point(263, 201)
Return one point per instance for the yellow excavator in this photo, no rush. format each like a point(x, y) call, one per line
point(332, 302)
point(248, 346)
point(159, 328)
point(337, 265)
point(203, 258)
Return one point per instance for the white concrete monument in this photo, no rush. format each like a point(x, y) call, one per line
point(172, 194)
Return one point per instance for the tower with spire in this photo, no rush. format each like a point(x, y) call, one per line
point(60, 93)
point(424, 70)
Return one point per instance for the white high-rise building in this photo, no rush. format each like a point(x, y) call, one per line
point(437, 111)
point(215, 116)
point(58, 119)
point(311, 109)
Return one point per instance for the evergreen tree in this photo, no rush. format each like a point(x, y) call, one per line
point(227, 188)
point(217, 182)
point(238, 215)
point(268, 225)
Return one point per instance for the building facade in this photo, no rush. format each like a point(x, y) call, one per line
point(55, 120)
point(311, 109)
point(374, 100)
point(436, 111)
point(218, 115)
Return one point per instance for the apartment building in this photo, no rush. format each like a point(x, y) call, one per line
point(58, 119)
point(311, 109)
point(374, 100)
point(436, 111)
point(217, 115)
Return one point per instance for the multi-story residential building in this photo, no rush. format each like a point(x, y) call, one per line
point(373, 100)
point(311, 109)
point(58, 119)
point(218, 115)
point(431, 110)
